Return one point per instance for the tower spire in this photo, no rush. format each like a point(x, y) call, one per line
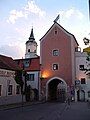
point(31, 38)
point(31, 46)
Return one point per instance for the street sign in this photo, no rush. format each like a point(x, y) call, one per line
point(77, 82)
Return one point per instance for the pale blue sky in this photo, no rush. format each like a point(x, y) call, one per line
point(18, 16)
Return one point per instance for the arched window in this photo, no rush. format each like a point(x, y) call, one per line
point(28, 50)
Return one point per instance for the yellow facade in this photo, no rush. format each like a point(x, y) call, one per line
point(87, 50)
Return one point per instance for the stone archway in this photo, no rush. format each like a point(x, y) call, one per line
point(56, 89)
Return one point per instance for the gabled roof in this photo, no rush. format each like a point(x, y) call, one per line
point(8, 63)
point(55, 23)
point(34, 63)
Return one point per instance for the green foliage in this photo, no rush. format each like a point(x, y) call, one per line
point(18, 77)
point(27, 77)
point(88, 58)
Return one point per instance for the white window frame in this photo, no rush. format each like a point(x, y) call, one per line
point(30, 77)
point(53, 66)
point(56, 52)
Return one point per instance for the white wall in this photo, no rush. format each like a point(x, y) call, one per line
point(81, 60)
point(6, 79)
point(35, 83)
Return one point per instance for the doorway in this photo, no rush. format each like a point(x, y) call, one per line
point(81, 95)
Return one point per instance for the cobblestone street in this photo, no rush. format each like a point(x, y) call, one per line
point(48, 111)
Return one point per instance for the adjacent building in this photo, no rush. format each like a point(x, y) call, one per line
point(31, 65)
point(10, 90)
point(82, 86)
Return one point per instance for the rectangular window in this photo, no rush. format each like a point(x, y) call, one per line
point(89, 94)
point(0, 89)
point(81, 67)
point(55, 66)
point(83, 81)
point(77, 49)
point(10, 90)
point(31, 77)
point(55, 31)
point(55, 52)
point(17, 89)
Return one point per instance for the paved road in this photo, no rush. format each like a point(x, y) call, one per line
point(48, 111)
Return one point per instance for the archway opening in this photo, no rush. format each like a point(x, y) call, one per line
point(56, 90)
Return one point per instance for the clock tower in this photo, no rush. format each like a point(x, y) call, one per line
point(31, 46)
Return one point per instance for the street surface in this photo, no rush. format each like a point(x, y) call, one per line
point(48, 111)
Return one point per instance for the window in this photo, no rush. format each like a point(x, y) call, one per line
point(89, 94)
point(77, 49)
point(55, 52)
point(83, 81)
point(10, 90)
point(0, 89)
point(81, 67)
point(34, 51)
point(31, 77)
point(55, 66)
point(17, 89)
point(28, 50)
point(26, 63)
point(55, 31)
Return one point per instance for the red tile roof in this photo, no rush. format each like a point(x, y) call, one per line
point(8, 63)
point(34, 63)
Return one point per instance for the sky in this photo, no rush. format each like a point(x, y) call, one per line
point(17, 17)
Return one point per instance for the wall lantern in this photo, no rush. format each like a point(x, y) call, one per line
point(42, 78)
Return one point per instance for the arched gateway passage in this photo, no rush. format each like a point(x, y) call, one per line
point(56, 89)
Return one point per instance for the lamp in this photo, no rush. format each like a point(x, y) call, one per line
point(42, 78)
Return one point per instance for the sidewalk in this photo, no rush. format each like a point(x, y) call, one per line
point(17, 105)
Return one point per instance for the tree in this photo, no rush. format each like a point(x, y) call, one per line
point(18, 78)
